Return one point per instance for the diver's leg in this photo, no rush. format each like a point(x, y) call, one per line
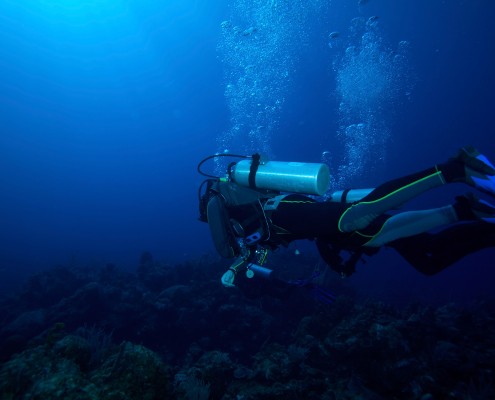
point(410, 223)
point(388, 196)
point(416, 250)
point(430, 253)
point(468, 166)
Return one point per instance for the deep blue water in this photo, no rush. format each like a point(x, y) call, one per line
point(107, 106)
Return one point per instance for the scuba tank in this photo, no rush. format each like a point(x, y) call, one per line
point(233, 206)
point(258, 271)
point(349, 195)
point(297, 177)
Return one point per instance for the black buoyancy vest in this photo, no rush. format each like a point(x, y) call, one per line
point(232, 212)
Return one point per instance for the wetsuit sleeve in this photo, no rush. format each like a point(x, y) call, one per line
point(240, 265)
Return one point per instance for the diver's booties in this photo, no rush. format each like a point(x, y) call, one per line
point(471, 167)
point(473, 159)
point(479, 171)
point(470, 207)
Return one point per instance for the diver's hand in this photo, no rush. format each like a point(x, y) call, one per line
point(228, 278)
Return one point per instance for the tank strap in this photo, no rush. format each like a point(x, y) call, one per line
point(252, 171)
point(344, 195)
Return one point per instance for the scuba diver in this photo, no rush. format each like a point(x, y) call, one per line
point(262, 205)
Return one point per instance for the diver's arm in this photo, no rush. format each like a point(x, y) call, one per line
point(240, 264)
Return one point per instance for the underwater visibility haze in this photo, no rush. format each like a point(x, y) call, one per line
point(107, 107)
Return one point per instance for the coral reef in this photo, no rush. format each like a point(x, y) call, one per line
point(175, 332)
point(60, 371)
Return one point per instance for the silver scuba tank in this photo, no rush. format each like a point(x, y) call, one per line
point(349, 196)
point(258, 271)
point(297, 177)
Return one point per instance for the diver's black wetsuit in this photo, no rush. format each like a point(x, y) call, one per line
point(305, 218)
point(430, 239)
point(431, 253)
point(301, 217)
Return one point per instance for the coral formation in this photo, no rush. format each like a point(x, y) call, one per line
point(199, 340)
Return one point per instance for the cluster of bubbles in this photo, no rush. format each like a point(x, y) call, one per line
point(371, 80)
point(258, 49)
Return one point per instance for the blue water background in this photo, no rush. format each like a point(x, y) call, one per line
point(107, 106)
